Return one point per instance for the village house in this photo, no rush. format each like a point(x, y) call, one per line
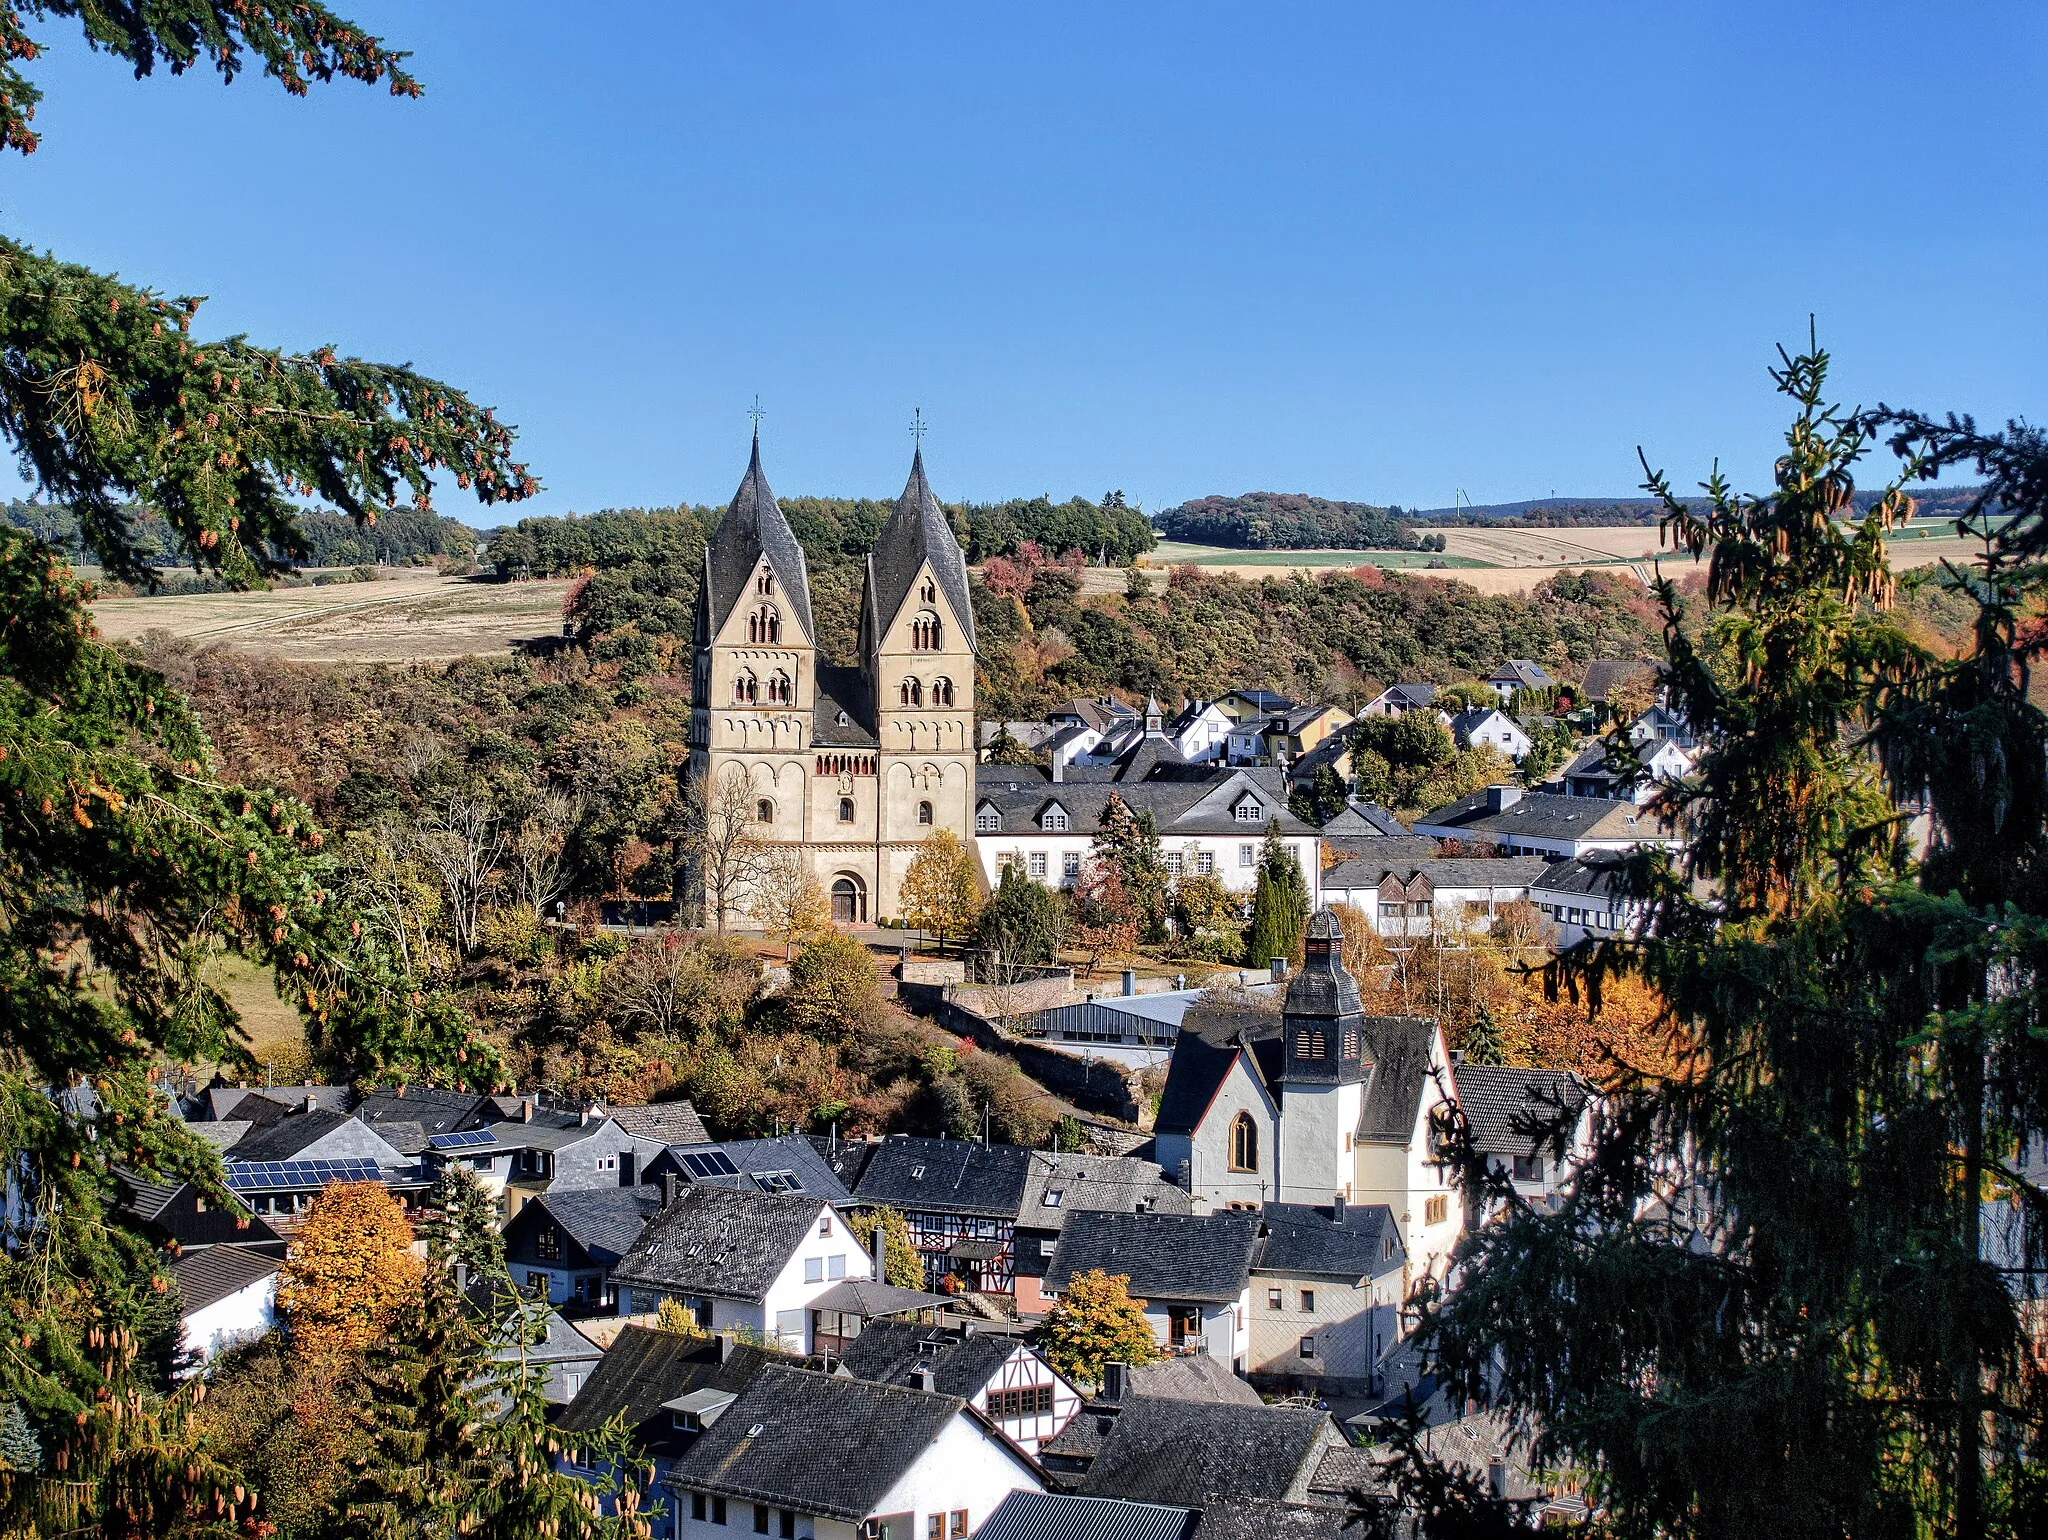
point(562, 1246)
point(1519, 674)
point(1400, 699)
point(1422, 898)
point(1200, 730)
point(1192, 1271)
point(1160, 1451)
point(1544, 824)
point(1591, 774)
point(1003, 1377)
point(226, 1295)
point(661, 1123)
point(1584, 897)
point(1326, 1296)
point(1063, 1185)
point(1248, 705)
point(787, 1163)
point(1509, 1112)
point(960, 1200)
point(1485, 727)
point(751, 1261)
point(805, 1455)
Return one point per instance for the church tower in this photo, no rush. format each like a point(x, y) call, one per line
point(1323, 1070)
point(754, 666)
point(917, 662)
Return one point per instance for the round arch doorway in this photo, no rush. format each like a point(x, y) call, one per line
point(849, 900)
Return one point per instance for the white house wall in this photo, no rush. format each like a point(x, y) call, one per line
point(966, 1466)
point(248, 1312)
point(1354, 1323)
point(789, 1292)
point(1210, 1179)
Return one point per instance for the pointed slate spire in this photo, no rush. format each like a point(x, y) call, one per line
point(918, 532)
point(754, 527)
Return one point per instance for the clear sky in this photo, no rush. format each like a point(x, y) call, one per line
point(1365, 250)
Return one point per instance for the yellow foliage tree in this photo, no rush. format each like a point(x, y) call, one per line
point(789, 903)
point(349, 1267)
point(1096, 1322)
point(941, 889)
point(1631, 1034)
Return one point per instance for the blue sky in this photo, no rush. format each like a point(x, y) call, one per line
point(1369, 251)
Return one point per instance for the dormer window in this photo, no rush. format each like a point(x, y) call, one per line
point(1054, 1197)
point(843, 720)
point(1053, 820)
point(1250, 810)
point(987, 820)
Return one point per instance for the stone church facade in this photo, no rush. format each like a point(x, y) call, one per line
point(852, 766)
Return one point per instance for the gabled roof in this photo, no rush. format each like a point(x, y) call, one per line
point(1523, 672)
point(1196, 1378)
point(604, 1221)
point(946, 1176)
point(435, 1111)
point(1443, 872)
point(644, 1368)
point(1204, 1257)
point(1065, 1516)
point(816, 1443)
point(222, 1134)
point(284, 1139)
point(670, 1122)
point(1264, 1518)
point(1399, 1047)
point(1604, 674)
point(1496, 1097)
point(1591, 876)
point(1085, 1183)
point(1183, 799)
point(1466, 723)
point(1408, 696)
point(715, 1240)
point(891, 1351)
point(917, 533)
point(1193, 1076)
point(210, 1276)
point(1546, 816)
point(1310, 1240)
point(842, 692)
point(1166, 1451)
point(753, 527)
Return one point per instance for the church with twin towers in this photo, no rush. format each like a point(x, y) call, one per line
point(852, 766)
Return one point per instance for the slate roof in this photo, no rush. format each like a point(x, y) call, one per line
point(1495, 1096)
point(815, 1443)
point(1592, 876)
point(1466, 723)
point(210, 1276)
point(1194, 1378)
point(1604, 674)
point(1522, 672)
point(1166, 1256)
point(1090, 1182)
point(1304, 1239)
point(1183, 799)
point(223, 1134)
point(891, 1351)
point(604, 1221)
point(1407, 696)
point(436, 1111)
point(840, 690)
point(1173, 1451)
point(670, 1122)
point(283, 1140)
point(644, 1368)
point(1193, 1075)
point(1399, 1047)
point(715, 1240)
point(1545, 815)
point(753, 526)
point(916, 533)
point(844, 1158)
point(793, 1158)
point(143, 1198)
point(946, 1176)
point(1259, 1518)
point(1443, 872)
point(1265, 701)
point(1064, 1516)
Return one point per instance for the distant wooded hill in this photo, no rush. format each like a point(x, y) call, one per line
point(1563, 512)
point(332, 540)
point(1288, 521)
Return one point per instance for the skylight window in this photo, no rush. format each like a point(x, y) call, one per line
point(1054, 1197)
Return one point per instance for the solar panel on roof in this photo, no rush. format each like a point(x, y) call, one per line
point(711, 1163)
point(250, 1174)
point(468, 1139)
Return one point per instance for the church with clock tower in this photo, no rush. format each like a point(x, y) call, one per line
point(852, 766)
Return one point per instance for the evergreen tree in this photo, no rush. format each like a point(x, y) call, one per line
point(1129, 842)
point(1770, 1304)
point(1023, 921)
point(1484, 1042)
point(461, 1223)
point(21, 1452)
point(1279, 906)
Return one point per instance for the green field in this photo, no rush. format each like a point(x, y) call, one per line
point(1172, 553)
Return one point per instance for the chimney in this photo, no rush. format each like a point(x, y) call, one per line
point(878, 1243)
point(967, 1329)
point(668, 1189)
point(525, 1108)
point(584, 1120)
point(1502, 797)
point(311, 1105)
point(1337, 1208)
point(922, 1378)
point(1116, 1381)
point(1059, 767)
point(1130, 982)
point(461, 1277)
point(726, 1344)
point(1279, 969)
point(1497, 1479)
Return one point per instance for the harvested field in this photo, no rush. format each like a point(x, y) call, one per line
point(396, 619)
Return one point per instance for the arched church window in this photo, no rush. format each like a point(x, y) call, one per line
point(765, 625)
point(765, 583)
point(929, 594)
point(764, 811)
point(746, 688)
point(924, 812)
point(912, 692)
point(926, 635)
point(1244, 1143)
point(846, 810)
point(780, 689)
point(942, 691)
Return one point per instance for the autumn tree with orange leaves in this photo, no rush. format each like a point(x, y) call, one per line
point(349, 1268)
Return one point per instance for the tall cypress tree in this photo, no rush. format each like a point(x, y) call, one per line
point(1769, 1305)
point(1279, 905)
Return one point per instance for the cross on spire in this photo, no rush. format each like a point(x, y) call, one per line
point(917, 426)
point(757, 414)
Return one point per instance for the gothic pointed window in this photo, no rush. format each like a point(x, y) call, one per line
point(942, 691)
point(1244, 1143)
